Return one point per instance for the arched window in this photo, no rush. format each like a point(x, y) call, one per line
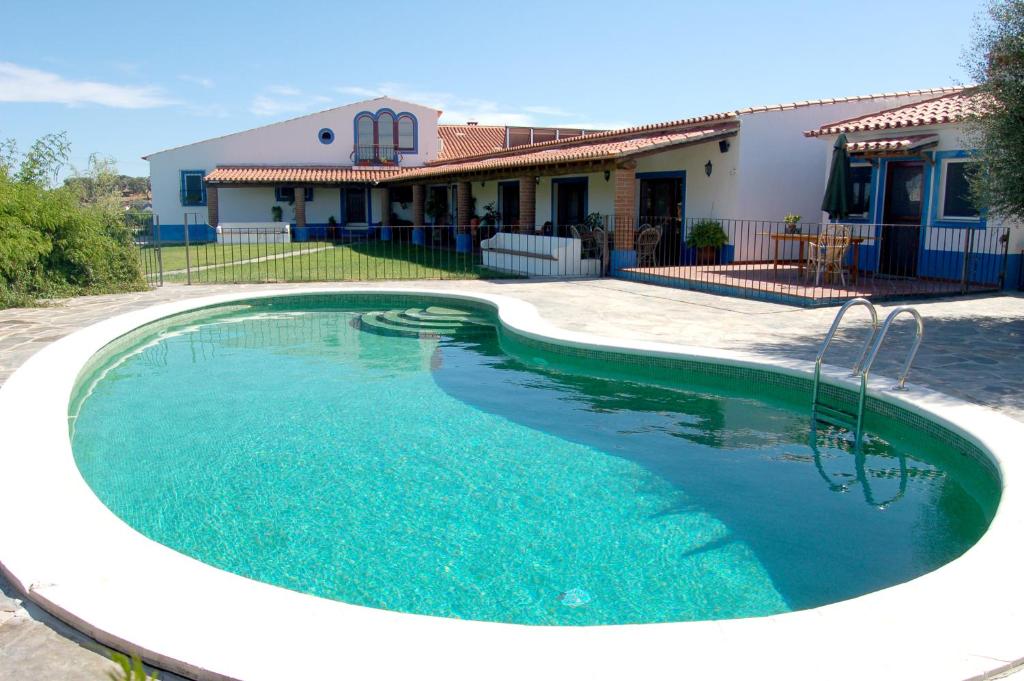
point(381, 135)
point(406, 132)
point(365, 125)
point(386, 135)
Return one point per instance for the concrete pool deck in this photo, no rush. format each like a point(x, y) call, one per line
point(972, 347)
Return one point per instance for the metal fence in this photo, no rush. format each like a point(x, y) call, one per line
point(805, 264)
point(813, 263)
point(201, 254)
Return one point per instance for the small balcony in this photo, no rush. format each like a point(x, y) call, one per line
point(376, 155)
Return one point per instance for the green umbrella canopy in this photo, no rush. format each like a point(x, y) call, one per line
point(837, 192)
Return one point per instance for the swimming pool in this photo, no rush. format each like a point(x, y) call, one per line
point(74, 558)
point(414, 456)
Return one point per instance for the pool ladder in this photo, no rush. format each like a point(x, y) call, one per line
point(862, 368)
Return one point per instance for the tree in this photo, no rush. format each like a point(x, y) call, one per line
point(995, 61)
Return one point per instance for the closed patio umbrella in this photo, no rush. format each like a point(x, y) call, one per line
point(837, 192)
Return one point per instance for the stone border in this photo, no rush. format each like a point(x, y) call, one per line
point(74, 558)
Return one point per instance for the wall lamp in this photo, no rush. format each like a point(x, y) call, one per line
point(723, 146)
point(607, 175)
point(707, 168)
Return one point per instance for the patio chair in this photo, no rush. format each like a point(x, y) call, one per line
point(587, 242)
point(828, 252)
point(646, 243)
point(597, 235)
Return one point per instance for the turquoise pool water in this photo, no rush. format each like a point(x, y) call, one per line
point(465, 475)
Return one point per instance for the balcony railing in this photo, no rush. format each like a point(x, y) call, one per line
point(376, 155)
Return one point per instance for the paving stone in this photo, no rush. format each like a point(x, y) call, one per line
point(973, 349)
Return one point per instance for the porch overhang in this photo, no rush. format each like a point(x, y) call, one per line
point(593, 157)
point(905, 145)
point(249, 176)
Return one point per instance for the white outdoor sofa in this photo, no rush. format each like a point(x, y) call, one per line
point(538, 256)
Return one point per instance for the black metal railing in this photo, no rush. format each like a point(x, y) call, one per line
point(811, 263)
point(805, 264)
point(376, 154)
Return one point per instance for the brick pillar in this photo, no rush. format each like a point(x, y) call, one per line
point(385, 219)
point(300, 206)
point(464, 207)
point(625, 206)
point(212, 207)
point(527, 204)
point(419, 195)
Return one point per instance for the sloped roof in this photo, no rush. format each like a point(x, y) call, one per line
point(287, 120)
point(949, 108)
point(593, 151)
point(684, 123)
point(298, 174)
point(902, 143)
point(469, 140)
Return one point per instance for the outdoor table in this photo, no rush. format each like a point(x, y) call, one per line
point(802, 239)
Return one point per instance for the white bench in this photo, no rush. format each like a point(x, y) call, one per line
point(254, 232)
point(539, 256)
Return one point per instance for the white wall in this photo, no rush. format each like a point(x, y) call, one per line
point(291, 142)
point(705, 197)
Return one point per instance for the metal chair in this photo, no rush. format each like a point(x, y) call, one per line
point(646, 245)
point(828, 253)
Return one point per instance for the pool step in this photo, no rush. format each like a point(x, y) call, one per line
point(835, 417)
point(431, 322)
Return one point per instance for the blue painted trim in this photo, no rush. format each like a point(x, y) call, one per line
point(668, 175)
point(330, 136)
point(555, 181)
point(621, 259)
point(872, 185)
point(197, 234)
point(343, 203)
point(374, 116)
point(938, 178)
point(280, 197)
point(202, 187)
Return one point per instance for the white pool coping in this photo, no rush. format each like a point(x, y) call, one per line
point(80, 562)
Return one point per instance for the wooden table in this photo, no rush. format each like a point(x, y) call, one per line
point(802, 239)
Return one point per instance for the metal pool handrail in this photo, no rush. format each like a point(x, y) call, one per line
point(831, 334)
point(902, 378)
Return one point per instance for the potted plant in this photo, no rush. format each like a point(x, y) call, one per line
point(275, 213)
point(707, 237)
point(593, 221)
point(792, 221)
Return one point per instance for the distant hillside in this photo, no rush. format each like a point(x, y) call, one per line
point(135, 192)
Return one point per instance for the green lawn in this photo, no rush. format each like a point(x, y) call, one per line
point(212, 254)
point(321, 261)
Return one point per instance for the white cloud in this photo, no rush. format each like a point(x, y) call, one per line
point(281, 99)
point(21, 84)
point(284, 91)
point(459, 109)
point(201, 82)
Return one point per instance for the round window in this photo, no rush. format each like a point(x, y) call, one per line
point(326, 135)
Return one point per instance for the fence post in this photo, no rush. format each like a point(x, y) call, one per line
point(159, 254)
point(188, 260)
point(968, 239)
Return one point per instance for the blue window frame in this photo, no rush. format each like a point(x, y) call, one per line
point(287, 194)
point(193, 189)
point(326, 135)
point(951, 204)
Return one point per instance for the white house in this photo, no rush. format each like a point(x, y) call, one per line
point(365, 167)
point(909, 169)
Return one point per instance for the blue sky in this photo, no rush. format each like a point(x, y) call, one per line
point(125, 79)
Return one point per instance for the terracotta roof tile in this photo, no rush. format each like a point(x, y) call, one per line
point(594, 150)
point(892, 143)
point(298, 174)
point(949, 108)
point(684, 123)
point(469, 140)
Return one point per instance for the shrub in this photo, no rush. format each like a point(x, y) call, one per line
point(51, 244)
point(707, 234)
